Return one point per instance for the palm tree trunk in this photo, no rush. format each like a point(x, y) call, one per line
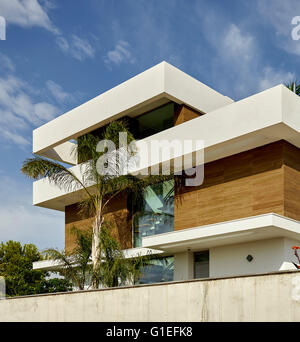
point(96, 249)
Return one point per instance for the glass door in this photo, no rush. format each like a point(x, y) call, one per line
point(201, 264)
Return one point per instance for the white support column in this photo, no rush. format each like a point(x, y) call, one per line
point(184, 266)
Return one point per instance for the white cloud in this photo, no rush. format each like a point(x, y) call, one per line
point(23, 107)
point(31, 13)
point(58, 93)
point(238, 68)
point(238, 45)
point(15, 99)
point(82, 48)
point(6, 63)
point(45, 111)
point(279, 15)
point(19, 111)
point(78, 47)
point(238, 50)
point(26, 13)
point(235, 60)
point(13, 136)
point(120, 54)
point(271, 77)
point(252, 73)
point(155, 39)
point(48, 4)
point(8, 119)
point(62, 43)
point(20, 221)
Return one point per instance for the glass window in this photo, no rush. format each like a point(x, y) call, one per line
point(160, 270)
point(153, 122)
point(142, 126)
point(154, 213)
point(201, 264)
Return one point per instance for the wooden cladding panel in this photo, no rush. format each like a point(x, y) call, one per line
point(184, 113)
point(292, 193)
point(246, 184)
point(116, 213)
point(252, 195)
point(292, 156)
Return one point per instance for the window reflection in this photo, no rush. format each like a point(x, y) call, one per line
point(153, 122)
point(154, 213)
point(159, 270)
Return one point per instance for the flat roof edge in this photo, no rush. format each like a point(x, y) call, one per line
point(160, 81)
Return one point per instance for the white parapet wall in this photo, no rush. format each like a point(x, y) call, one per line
point(268, 297)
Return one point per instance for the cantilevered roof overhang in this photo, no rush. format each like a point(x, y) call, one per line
point(268, 226)
point(150, 89)
point(258, 120)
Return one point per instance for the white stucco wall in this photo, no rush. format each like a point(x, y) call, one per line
point(270, 297)
point(269, 255)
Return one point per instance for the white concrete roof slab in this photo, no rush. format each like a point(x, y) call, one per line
point(63, 153)
point(151, 88)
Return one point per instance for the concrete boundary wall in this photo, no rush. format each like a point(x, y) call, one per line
point(268, 297)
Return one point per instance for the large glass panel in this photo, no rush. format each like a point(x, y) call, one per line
point(153, 122)
point(160, 270)
point(154, 213)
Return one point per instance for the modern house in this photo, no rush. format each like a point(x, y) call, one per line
point(243, 218)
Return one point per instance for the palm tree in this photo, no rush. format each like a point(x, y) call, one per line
point(75, 266)
point(294, 86)
point(98, 189)
point(117, 270)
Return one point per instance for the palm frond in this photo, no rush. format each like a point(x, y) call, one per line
point(38, 168)
point(294, 86)
point(75, 265)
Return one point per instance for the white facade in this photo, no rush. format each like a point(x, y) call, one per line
point(268, 256)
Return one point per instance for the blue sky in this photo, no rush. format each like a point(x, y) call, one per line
point(60, 53)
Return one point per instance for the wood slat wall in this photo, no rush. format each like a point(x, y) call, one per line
point(117, 213)
point(246, 184)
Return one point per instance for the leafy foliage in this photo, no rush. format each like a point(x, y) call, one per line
point(16, 267)
point(114, 270)
point(75, 265)
point(54, 285)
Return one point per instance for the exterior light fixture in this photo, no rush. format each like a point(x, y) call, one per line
point(249, 258)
